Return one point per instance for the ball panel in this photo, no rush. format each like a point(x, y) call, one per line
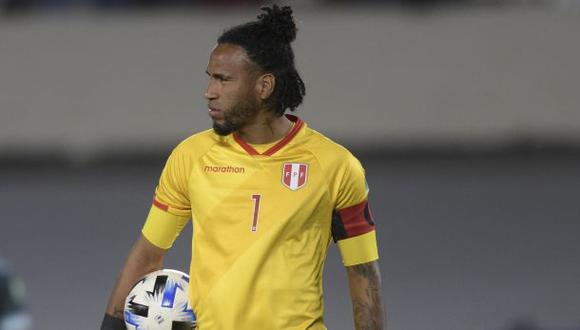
point(159, 301)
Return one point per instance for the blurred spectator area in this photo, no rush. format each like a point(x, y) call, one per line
point(16, 6)
point(462, 75)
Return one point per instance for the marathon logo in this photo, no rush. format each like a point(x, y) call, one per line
point(224, 169)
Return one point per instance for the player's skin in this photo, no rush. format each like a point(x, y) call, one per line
point(365, 292)
point(143, 258)
point(237, 92)
point(237, 95)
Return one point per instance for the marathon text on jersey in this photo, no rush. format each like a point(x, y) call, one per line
point(224, 169)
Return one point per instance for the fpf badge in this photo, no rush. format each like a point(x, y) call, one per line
point(294, 175)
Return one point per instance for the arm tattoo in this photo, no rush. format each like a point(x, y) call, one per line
point(365, 287)
point(366, 270)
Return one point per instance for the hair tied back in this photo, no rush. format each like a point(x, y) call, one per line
point(280, 22)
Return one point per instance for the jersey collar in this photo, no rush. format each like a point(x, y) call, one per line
point(298, 123)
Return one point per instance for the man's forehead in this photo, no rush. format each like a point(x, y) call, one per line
point(228, 55)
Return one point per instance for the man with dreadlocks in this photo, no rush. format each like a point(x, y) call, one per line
point(266, 195)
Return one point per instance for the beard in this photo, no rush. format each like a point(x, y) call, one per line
point(237, 117)
point(226, 128)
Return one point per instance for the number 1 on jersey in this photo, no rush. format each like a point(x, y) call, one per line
point(256, 199)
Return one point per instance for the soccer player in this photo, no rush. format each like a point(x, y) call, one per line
point(266, 195)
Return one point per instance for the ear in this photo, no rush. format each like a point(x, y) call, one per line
point(265, 85)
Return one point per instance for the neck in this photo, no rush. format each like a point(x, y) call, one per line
point(265, 128)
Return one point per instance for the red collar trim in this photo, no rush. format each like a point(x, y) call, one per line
point(298, 123)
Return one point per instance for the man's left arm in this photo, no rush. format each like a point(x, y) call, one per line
point(365, 292)
point(353, 230)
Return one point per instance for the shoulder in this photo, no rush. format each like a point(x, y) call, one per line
point(343, 171)
point(197, 144)
point(328, 152)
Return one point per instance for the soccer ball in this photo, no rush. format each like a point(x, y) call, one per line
point(159, 302)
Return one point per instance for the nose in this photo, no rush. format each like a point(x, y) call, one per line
point(210, 92)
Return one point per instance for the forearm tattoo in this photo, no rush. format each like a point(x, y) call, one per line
point(366, 296)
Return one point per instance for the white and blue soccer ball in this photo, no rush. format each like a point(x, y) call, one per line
point(159, 302)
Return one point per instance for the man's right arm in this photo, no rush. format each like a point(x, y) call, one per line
point(143, 259)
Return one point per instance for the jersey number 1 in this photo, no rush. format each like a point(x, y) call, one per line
point(256, 199)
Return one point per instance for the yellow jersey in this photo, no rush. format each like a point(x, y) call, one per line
point(262, 224)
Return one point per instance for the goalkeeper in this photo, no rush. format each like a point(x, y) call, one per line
point(266, 195)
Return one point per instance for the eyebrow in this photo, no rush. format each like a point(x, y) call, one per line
point(218, 76)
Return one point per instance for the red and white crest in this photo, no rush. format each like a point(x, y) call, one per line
point(294, 175)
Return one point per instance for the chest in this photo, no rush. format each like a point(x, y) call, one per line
point(257, 192)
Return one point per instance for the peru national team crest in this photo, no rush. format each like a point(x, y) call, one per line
point(294, 175)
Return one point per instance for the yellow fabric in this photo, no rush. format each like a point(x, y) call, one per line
point(162, 228)
point(359, 249)
point(270, 278)
point(263, 147)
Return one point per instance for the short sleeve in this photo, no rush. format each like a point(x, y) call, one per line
point(353, 228)
point(171, 208)
point(171, 194)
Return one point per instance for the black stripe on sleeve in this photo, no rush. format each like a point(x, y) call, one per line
point(368, 215)
point(338, 230)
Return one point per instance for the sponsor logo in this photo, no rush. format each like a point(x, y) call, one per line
point(223, 169)
point(294, 175)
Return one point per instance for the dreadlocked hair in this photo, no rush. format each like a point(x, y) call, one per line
point(267, 43)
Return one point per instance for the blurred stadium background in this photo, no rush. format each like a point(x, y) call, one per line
point(465, 115)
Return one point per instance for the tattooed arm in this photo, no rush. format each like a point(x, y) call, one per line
point(365, 292)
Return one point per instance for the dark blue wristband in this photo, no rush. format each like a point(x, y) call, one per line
point(112, 323)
